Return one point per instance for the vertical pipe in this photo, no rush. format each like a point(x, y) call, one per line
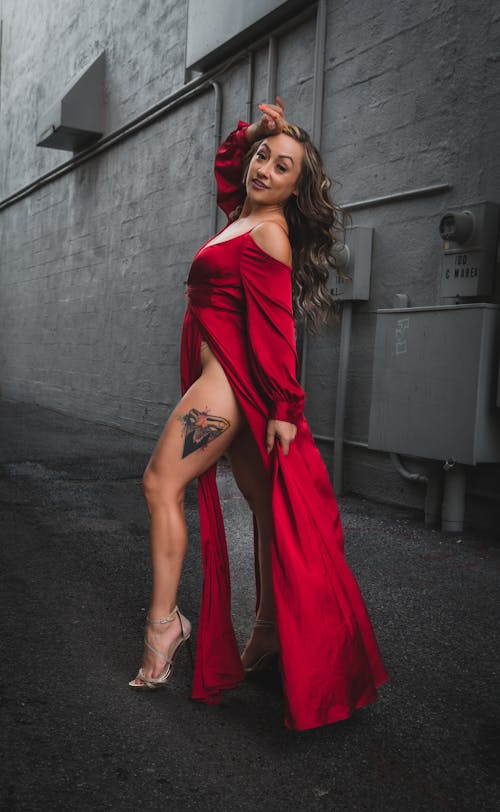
point(433, 496)
point(452, 515)
point(319, 73)
point(272, 68)
point(250, 81)
point(316, 126)
point(1, 40)
point(345, 342)
point(345, 333)
point(217, 131)
point(303, 358)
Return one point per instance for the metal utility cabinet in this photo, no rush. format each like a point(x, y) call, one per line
point(435, 382)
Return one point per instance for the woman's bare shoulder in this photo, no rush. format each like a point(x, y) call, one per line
point(273, 239)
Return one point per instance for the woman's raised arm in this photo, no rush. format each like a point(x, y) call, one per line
point(230, 155)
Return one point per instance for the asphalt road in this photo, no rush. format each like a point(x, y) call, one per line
point(74, 591)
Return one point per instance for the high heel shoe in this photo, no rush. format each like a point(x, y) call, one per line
point(268, 660)
point(150, 683)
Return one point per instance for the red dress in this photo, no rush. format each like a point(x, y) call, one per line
point(240, 302)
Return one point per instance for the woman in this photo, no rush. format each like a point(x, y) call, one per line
point(241, 397)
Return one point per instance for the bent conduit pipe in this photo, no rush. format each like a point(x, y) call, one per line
point(434, 506)
point(411, 476)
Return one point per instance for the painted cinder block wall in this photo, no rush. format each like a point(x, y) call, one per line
point(93, 264)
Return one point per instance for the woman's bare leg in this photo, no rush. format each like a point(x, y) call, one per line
point(199, 430)
point(254, 483)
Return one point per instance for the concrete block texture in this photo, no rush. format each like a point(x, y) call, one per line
point(46, 44)
point(93, 264)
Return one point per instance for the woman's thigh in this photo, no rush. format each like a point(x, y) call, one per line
point(250, 473)
point(200, 429)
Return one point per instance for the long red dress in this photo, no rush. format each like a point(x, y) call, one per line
point(240, 302)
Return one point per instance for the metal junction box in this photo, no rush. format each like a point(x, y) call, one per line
point(469, 261)
point(435, 380)
point(352, 282)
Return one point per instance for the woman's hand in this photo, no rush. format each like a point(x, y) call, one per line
point(271, 122)
point(285, 432)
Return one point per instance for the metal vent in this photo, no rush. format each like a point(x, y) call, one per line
point(76, 121)
point(221, 27)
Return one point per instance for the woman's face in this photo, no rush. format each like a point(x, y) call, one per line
point(274, 170)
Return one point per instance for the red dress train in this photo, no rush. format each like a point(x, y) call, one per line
point(240, 302)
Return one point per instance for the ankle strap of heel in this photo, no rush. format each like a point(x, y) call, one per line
point(185, 624)
point(169, 619)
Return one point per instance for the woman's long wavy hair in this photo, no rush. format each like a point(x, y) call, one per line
point(314, 227)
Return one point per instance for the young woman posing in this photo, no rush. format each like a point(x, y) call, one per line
point(241, 398)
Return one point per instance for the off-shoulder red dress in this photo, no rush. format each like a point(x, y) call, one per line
point(240, 302)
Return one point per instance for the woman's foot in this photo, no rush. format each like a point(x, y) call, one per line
point(162, 639)
point(262, 650)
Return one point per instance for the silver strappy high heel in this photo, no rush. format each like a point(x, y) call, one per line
point(150, 683)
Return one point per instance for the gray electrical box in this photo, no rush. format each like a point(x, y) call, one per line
point(435, 379)
point(469, 264)
point(76, 120)
point(351, 281)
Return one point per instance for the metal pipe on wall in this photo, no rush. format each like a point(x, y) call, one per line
point(189, 91)
point(411, 476)
point(250, 81)
point(316, 127)
point(217, 136)
point(433, 487)
point(397, 197)
point(319, 73)
point(1, 41)
point(433, 482)
point(345, 333)
point(341, 400)
point(452, 516)
point(272, 68)
point(323, 438)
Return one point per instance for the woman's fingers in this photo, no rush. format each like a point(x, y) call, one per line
point(285, 432)
point(275, 108)
point(288, 439)
point(273, 116)
point(270, 435)
point(269, 121)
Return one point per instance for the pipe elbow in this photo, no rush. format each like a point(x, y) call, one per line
point(411, 476)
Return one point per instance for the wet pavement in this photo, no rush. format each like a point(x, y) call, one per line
point(74, 575)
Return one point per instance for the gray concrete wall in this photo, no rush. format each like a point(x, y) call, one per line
point(93, 264)
point(47, 43)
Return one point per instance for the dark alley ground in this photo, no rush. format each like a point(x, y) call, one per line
point(74, 591)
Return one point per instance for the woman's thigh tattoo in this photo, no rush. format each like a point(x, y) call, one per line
point(200, 428)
